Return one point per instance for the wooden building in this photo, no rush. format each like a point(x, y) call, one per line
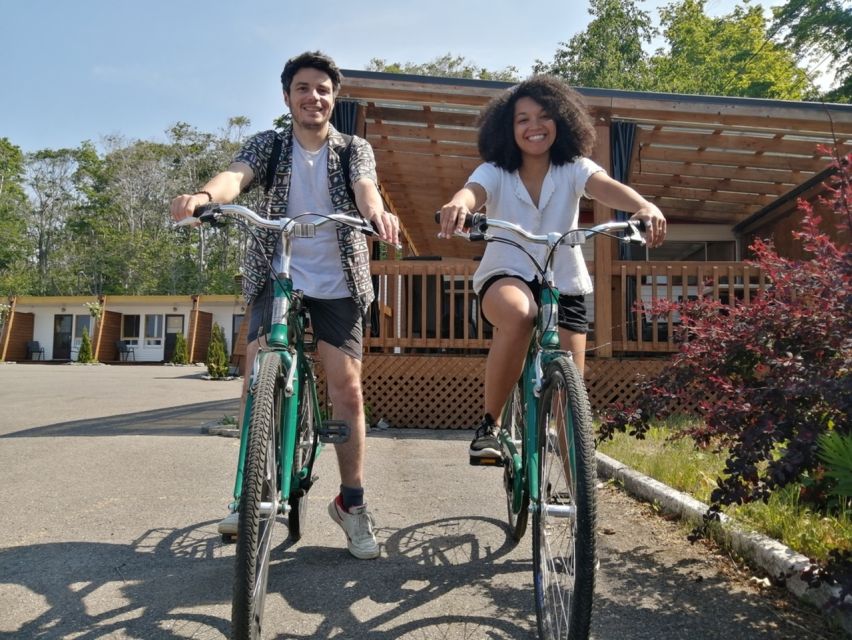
point(721, 170)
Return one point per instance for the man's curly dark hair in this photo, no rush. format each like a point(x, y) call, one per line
point(314, 60)
point(575, 131)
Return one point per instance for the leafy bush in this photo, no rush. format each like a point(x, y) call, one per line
point(217, 360)
point(85, 354)
point(771, 377)
point(181, 352)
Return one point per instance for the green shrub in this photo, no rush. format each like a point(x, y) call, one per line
point(217, 359)
point(181, 353)
point(85, 354)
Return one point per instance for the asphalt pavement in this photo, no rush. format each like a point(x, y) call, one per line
point(111, 492)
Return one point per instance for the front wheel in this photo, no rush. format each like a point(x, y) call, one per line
point(303, 458)
point(258, 504)
point(564, 523)
point(514, 426)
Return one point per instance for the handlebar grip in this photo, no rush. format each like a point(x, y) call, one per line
point(471, 220)
point(203, 210)
point(640, 224)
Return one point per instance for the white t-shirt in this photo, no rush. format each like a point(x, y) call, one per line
point(558, 210)
point(315, 262)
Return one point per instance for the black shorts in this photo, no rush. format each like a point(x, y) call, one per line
point(336, 322)
point(572, 309)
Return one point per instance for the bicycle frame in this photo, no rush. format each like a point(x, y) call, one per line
point(544, 347)
point(286, 320)
point(284, 340)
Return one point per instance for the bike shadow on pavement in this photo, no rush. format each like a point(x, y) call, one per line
point(167, 584)
point(172, 421)
point(176, 583)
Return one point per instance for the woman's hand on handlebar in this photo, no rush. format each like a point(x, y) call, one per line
point(452, 219)
point(655, 224)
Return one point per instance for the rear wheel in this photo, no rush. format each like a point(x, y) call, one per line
point(514, 424)
point(258, 504)
point(303, 460)
point(564, 524)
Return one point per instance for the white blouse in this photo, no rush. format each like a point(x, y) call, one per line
point(558, 210)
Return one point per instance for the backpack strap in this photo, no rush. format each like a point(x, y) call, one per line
point(272, 163)
point(345, 155)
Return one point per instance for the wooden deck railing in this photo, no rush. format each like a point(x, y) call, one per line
point(428, 306)
point(637, 284)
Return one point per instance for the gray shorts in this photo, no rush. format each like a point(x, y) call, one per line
point(336, 322)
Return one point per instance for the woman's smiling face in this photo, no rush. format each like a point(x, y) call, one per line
point(535, 130)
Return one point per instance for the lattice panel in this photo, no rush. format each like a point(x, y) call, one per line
point(445, 392)
point(612, 380)
point(424, 392)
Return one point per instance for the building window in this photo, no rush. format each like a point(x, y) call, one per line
point(153, 330)
point(130, 329)
point(235, 330)
point(82, 322)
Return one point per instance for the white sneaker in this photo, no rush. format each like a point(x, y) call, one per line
point(228, 525)
point(357, 524)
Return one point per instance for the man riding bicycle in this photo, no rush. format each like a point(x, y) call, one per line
point(317, 170)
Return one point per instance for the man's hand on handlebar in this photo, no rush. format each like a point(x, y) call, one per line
point(387, 227)
point(184, 206)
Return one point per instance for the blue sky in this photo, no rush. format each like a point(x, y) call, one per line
point(79, 70)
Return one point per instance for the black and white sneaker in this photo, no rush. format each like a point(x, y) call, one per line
point(485, 447)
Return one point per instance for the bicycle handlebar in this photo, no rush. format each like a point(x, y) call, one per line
point(213, 212)
point(478, 223)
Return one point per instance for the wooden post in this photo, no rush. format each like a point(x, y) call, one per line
point(193, 326)
point(7, 329)
point(603, 250)
point(100, 328)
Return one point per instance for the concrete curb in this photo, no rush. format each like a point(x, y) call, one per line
point(215, 428)
point(774, 558)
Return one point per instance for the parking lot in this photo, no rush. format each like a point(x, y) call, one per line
point(111, 493)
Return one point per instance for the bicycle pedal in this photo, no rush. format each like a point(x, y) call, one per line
point(333, 432)
point(476, 461)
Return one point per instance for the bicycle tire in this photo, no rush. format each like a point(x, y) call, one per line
point(564, 524)
point(303, 456)
point(257, 520)
point(514, 424)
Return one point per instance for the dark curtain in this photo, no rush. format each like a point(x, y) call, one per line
point(622, 135)
point(344, 116)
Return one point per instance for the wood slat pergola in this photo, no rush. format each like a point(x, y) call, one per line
point(701, 159)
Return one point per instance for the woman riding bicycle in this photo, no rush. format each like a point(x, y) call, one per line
point(535, 140)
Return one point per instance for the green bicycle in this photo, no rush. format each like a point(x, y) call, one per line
point(281, 435)
point(548, 455)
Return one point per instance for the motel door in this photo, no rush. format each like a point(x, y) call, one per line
point(174, 326)
point(62, 328)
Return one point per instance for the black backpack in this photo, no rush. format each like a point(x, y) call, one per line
point(345, 155)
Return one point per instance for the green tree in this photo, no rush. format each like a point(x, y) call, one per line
point(53, 197)
point(821, 31)
point(15, 246)
point(85, 354)
point(730, 55)
point(446, 66)
point(217, 360)
point(181, 353)
point(609, 53)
